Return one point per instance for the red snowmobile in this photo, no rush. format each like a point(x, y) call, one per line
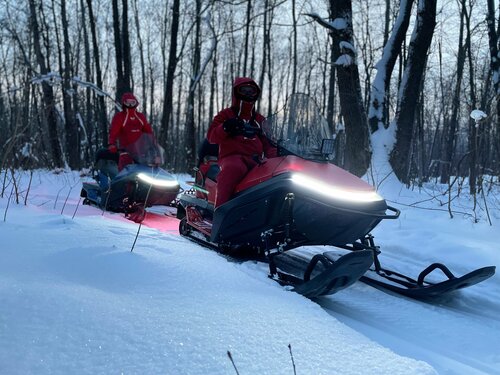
point(301, 199)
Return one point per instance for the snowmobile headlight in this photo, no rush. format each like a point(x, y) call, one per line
point(156, 181)
point(333, 191)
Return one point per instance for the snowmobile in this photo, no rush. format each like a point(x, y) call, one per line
point(300, 199)
point(137, 186)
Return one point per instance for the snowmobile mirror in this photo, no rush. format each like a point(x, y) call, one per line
point(327, 146)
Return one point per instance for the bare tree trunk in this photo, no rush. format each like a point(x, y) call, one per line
point(72, 139)
point(101, 107)
point(494, 44)
point(330, 111)
point(48, 94)
point(473, 99)
point(247, 36)
point(265, 46)
point(88, 93)
point(141, 56)
point(172, 64)
point(127, 60)
point(450, 136)
point(411, 86)
point(294, 51)
point(380, 88)
point(357, 152)
point(122, 49)
point(190, 118)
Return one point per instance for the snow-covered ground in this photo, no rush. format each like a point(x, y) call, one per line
point(74, 298)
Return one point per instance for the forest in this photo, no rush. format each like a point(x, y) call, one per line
point(419, 67)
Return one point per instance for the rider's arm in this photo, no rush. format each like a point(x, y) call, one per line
point(216, 132)
point(146, 128)
point(114, 131)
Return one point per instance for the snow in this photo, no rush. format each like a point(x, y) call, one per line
point(339, 24)
point(347, 46)
point(344, 60)
point(478, 115)
point(74, 298)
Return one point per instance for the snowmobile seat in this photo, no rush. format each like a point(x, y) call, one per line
point(107, 165)
point(104, 154)
point(207, 152)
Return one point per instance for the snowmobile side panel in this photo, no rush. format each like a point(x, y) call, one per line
point(313, 219)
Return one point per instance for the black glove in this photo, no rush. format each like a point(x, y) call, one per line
point(233, 126)
point(251, 131)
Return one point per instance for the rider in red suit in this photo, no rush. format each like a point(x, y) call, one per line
point(238, 132)
point(126, 127)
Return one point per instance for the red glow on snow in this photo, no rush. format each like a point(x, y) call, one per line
point(163, 223)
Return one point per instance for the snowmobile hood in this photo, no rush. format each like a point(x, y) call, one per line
point(154, 176)
point(325, 178)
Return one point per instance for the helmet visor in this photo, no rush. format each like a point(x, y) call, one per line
point(247, 92)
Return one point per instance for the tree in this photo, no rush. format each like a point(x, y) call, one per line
point(380, 87)
point(410, 88)
point(494, 45)
point(101, 107)
point(122, 49)
point(48, 93)
point(357, 151)
point(169, 82)
point(72, 138)
point(450, 129)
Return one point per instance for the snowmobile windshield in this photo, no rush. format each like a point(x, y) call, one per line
point(146, 151)
point(300, 129)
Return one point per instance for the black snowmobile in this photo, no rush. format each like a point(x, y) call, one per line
point(137, 186)
point(301, 199)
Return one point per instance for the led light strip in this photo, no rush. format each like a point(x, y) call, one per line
point(335, 192)
point(156, 182)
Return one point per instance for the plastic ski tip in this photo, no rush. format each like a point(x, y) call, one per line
point(341, 274)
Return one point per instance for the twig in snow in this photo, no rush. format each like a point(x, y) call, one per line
point(76, 209)
point(29, 187)
point(8, 203)
point(231, 358)
point(291, 356)
point(66, 200)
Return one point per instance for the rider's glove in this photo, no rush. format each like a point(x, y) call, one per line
point(113, 149)
point(233, 126)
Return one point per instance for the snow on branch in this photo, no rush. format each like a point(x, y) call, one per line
point(55, 79)
point(338, 24)
point(347, 46)
point(344, 60)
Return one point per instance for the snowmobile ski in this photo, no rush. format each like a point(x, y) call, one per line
point(321, 274)
point(421, 289)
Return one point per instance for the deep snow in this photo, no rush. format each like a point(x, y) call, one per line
point(75, 300)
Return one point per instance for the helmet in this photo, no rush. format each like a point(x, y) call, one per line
point(248, 92)
point(129, 100)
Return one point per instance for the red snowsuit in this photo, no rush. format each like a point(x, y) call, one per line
point(126, 128)
point(237, 153)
